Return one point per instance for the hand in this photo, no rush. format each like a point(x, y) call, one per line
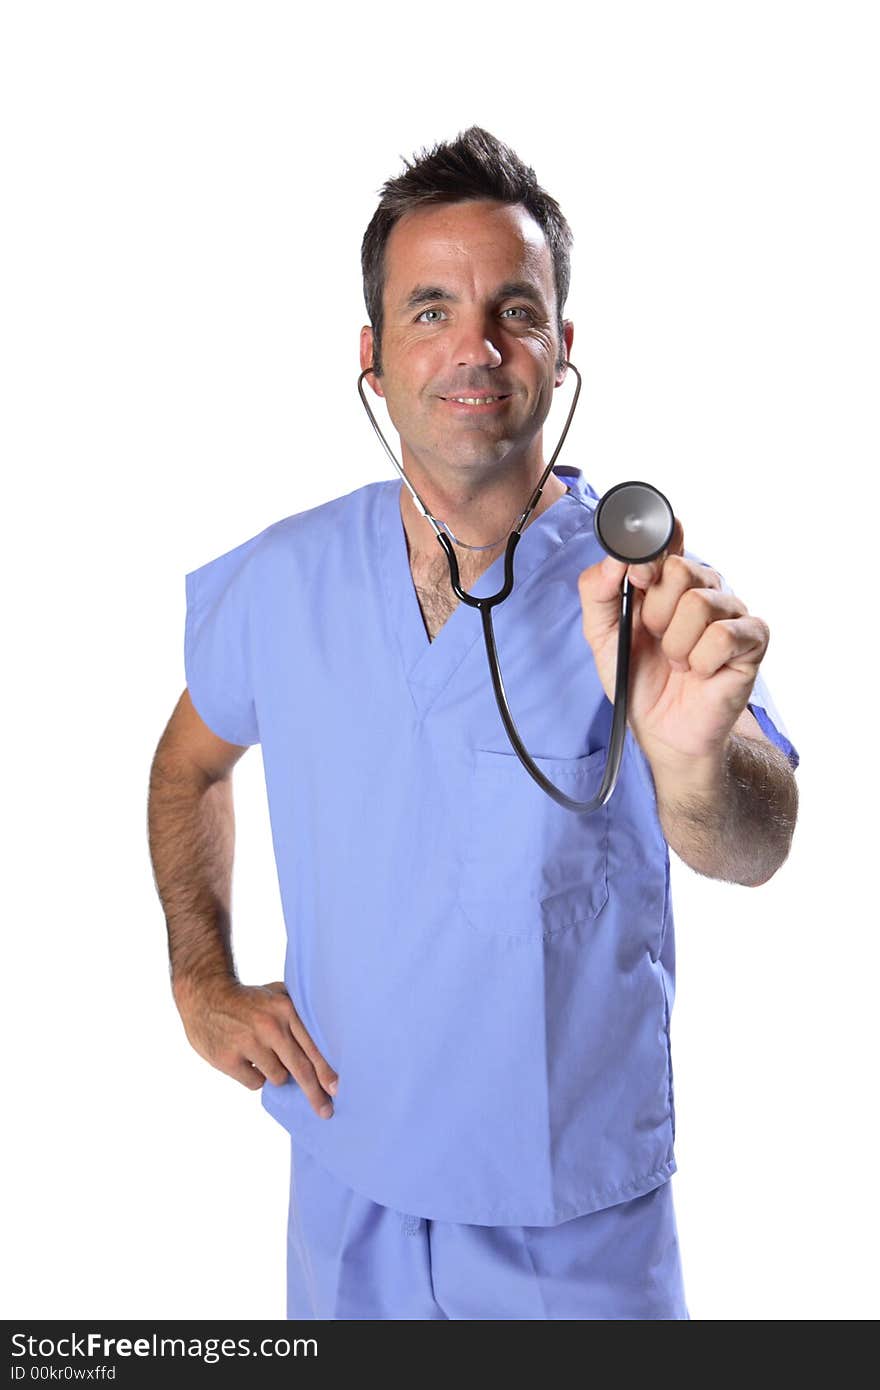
point(695, 650)
point(254, 1034)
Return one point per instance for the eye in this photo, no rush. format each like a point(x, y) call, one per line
point(517, 309)
point(421, 317)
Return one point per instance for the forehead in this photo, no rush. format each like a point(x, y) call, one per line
point(474, 244)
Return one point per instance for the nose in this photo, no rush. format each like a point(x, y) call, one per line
point(473, 346)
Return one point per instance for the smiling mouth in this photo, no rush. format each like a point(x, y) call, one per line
point(475, 400)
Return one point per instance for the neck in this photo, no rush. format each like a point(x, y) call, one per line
point(484, 517)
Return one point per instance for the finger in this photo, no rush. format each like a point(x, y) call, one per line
point(302, 1070)
point(290, 1020)
point(696, 611)
point(676, 577)
point(599, 592)
point(248, 1076)
point(328, 1078)
point(739, 643)
point(267, 1061)
point(641, 576)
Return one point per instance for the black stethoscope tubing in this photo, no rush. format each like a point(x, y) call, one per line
point(621, 683)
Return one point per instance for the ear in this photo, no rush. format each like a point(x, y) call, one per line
point(367, 359)
point(568, 339)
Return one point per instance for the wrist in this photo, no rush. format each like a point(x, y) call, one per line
point(188, 986)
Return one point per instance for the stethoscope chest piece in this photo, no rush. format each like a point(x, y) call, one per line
point(634, 522)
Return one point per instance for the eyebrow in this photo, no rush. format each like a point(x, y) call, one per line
point(511, 289)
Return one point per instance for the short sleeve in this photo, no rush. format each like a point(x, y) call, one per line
point(217, 647)
point(761, 702)
point(762, 707)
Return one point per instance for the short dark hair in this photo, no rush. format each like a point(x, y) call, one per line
point(474, 166)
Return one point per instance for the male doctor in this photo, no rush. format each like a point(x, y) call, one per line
point(470, 1048)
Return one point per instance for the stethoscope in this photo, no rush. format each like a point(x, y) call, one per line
point(633, 522)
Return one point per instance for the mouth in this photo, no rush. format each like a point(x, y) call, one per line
point(476, 404)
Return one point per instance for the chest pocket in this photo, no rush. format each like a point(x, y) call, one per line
point(529, 868)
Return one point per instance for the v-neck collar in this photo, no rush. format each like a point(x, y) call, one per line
point(429, 665)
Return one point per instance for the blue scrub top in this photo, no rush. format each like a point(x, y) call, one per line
point(490, 974)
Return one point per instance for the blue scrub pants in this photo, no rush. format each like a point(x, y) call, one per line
point(350, 1258)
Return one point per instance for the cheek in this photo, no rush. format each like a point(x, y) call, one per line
point(407, 393)
point(539, 350)
point(542, 361)
point(415, 364)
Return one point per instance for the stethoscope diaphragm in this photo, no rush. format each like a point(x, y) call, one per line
point(634, 522)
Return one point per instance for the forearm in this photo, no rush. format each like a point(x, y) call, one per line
point(731, 817)
point(192, 839)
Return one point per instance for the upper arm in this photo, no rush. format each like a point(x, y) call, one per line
point(188, 739)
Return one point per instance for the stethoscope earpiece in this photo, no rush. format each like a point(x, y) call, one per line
point(634, 522)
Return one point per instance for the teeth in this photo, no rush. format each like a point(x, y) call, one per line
point(475, 400)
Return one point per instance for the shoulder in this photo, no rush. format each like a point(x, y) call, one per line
point(329, 521)
point(296, 537)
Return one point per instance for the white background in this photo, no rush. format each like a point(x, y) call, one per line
point(185, 189)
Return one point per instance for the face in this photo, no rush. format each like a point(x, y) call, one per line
point(470, 311)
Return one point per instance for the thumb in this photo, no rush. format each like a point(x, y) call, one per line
point(599, 590)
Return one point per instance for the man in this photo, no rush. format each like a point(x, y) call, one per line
point(470, 1047)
